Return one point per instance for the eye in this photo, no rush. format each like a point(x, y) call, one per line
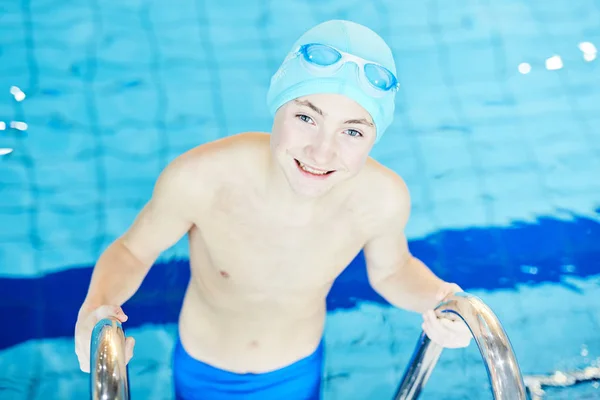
point(305, 118)
point(353, 133)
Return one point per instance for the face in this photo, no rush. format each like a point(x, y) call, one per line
point(321, 140)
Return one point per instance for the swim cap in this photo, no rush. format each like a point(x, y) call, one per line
point(293, 80)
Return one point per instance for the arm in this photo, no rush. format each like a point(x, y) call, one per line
point(123, 266)
point(166, 218)
point(401, 279)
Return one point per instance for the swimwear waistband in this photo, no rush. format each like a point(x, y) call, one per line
point(195, 379)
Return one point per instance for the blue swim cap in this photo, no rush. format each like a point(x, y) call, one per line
point(293, 80)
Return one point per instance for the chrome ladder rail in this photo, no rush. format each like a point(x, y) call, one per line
point(495, 348)
point(108, 370)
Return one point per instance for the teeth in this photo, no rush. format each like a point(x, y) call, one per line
point(309, 169)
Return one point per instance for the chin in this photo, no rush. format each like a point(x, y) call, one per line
point(309, 186)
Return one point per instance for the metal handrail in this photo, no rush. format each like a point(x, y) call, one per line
point(108, 370)
point(497, 353)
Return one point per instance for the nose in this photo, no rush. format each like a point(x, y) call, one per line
point(321, 150)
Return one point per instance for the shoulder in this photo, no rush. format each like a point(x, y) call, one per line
point(386, 195)
point(222, 154)
point(211, 164)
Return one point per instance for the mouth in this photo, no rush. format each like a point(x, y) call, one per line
point(311, 171)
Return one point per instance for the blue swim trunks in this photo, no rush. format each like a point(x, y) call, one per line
point(196, 380)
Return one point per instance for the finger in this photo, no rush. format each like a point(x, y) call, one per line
point(453, 337)
point(446, 332)
point(110, 311)
point(434, 319)
point(129, 344)
point(438, 313)
point(453, 329)
point(435, 336)
point(458, 331)
point(84, 365)
point(429, 315)
point(82, 349)
point(440, 330)
point(457, 326)
point(446, 315)
point(432, 333)
point(430, 320)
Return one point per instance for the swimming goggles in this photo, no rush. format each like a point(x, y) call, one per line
point(322, 59)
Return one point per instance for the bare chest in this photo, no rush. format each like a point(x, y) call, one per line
point(256, 250)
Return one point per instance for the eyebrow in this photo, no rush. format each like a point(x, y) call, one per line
point(316, 109)
point(310, 105)
point(359, 121)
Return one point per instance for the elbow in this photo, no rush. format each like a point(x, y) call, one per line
point(120, 254)
point(384, 284)
point(389, 279)
point(132, 255)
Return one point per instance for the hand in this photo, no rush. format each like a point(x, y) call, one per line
point(86, 321)
point(449, 331)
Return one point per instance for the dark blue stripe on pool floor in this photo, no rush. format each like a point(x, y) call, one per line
point(476, 258)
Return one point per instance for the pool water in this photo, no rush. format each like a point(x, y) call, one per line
point(496, 135)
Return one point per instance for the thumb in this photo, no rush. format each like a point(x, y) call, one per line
point(447, 289)
point(129, 344)
point(107, 311)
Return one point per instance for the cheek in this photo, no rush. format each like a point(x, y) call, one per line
point(293, 134)
point(275, 141)
point(354, 158)
point(281, 137)
point(282, 142)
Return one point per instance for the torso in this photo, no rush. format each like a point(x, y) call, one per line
point(259, 279)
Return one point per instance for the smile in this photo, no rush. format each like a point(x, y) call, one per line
point(311, 170)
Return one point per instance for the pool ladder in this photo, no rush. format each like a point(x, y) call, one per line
point(108, 371)
point(109, 379)
point(495, 348)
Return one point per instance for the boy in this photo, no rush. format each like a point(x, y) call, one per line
point(272, 220)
